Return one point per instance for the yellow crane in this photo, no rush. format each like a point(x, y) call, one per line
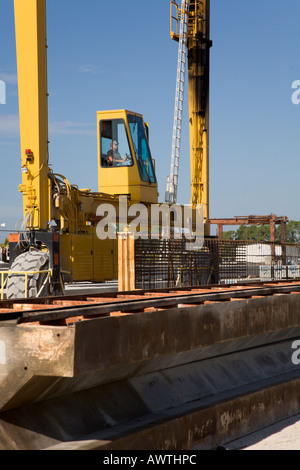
point(58, 233)
point(192, 30)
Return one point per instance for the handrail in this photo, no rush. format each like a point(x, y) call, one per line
point(25, 273)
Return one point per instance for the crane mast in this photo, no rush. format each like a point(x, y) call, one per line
point(193, 16)
point(199, 44)
point(172, 180)
point(30, 22)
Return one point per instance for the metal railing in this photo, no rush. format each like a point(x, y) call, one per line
point(25, 274)
point(49, 274)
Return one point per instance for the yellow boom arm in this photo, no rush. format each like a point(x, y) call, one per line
point(30, 24)
point(198, 45)
point(198, 73)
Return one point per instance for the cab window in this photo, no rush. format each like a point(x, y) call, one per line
point(141, 148)
point(114, 146)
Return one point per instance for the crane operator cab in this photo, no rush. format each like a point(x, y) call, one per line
point(125, 165)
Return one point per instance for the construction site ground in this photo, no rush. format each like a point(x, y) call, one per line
point(284, 435)
point(91, 288)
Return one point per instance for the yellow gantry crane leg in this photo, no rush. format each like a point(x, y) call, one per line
point(198, 45)
point(198, 79)
point(30, 24)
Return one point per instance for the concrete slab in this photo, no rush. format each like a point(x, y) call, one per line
point(284, 435)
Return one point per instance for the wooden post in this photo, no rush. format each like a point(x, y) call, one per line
point(126, 261)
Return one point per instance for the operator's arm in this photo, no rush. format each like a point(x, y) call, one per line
point(118, 158)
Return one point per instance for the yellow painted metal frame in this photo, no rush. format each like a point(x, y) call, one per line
point(198, 79)
point(73, 209)
point(30, 26)
point(86, 257)
point(179, 12)
point(198, 74)
point(25, 274)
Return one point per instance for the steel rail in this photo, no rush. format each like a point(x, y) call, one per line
point(84, 306)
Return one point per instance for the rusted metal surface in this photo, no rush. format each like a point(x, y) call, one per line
point(206, 428)
point(200, 406)
point(271, 220)
point(172, 369)
point(139, 300)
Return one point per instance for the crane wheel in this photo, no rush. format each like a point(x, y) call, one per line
point(29, 261)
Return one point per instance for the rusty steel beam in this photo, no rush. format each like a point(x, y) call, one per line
point(251, 219)
point(174, 357)
point(58, 309)
point(271, 220)
point(207, 428)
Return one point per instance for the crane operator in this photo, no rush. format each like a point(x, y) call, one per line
point(113, 156)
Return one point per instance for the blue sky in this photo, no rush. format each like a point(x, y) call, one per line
point(118, 54)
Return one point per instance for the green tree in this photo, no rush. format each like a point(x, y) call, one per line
point(229, 235)
point(253, 233)
point(293, 231)
point(5, 243)
point(262, 233)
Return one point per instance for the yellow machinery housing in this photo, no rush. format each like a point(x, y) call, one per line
point(134, 177)
point(82, 253)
